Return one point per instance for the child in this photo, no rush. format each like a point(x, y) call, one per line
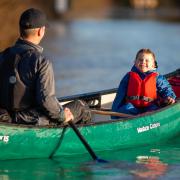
point(140, 88)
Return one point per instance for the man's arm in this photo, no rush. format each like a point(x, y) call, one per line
point(45, 91)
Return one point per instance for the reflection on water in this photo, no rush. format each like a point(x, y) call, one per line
point(153, 162)
point(152, 169)
point(90, 55)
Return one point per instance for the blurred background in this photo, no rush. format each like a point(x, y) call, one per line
point(93, 43)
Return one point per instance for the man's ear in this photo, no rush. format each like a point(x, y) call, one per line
point(40, 31)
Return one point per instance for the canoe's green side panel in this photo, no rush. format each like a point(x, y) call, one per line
point(19, 143)
point(156, 127)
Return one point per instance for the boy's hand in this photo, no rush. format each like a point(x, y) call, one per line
point(169, 100)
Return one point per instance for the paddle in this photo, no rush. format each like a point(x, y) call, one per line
point(87, 146)
point(111, 113)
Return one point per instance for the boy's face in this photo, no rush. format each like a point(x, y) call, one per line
point(145, 62)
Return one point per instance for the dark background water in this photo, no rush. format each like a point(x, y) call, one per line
point(90, 55)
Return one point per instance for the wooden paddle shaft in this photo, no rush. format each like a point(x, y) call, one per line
point(110, 113)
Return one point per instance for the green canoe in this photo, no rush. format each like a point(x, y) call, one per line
point(21, 141)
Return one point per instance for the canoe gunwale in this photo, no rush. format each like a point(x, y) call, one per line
point(107, 121)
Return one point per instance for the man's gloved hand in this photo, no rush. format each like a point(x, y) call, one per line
point(68, 115)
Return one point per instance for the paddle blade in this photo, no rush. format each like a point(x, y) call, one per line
point(101, 161)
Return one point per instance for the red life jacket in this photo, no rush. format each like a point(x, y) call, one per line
point(141, 93)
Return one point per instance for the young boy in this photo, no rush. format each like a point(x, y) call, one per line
point(140, 88)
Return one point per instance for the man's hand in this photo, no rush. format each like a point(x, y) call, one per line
point(68, 115)
point(169, 100)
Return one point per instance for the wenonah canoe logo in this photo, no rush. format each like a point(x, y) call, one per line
point(4, 138)
point(147, 128)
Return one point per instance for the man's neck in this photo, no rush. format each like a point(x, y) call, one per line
point(32, 40)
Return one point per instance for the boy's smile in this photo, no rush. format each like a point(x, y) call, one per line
point(145, 62)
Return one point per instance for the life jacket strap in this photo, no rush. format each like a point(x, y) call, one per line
point(144, 98)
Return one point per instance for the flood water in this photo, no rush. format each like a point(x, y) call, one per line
point(90, 55)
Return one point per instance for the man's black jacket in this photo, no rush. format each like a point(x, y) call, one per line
point(27, 80)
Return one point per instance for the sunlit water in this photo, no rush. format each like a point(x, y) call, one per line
point(90, 55)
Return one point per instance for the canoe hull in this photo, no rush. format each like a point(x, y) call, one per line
point(144, 130)
point(17, 142)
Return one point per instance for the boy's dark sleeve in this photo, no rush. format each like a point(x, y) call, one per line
point(164, 89)
point(121, 93)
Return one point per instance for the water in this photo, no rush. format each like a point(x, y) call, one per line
point(90, 55)
point(153, 162)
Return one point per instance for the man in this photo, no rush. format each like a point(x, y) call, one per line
point(26, 77)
